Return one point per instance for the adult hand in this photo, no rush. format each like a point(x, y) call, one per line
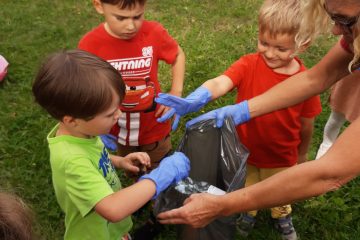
point(109, 141)
point(198, 211)
point(239, 113)
point(171, 170)
point(181, 106)
point(133, 162)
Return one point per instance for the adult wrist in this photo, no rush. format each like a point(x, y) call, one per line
point(225, 208)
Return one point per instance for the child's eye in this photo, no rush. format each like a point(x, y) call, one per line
point(263, 43)
point(120, 18)
point(282, 49)
point(138, 17)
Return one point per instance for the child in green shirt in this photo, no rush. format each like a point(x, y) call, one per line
point(83, 93)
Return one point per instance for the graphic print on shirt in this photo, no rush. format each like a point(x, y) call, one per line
point(108, 170)
point(140, 94)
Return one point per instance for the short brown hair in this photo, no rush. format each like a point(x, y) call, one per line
point(124, 3)
point(76, 83)
point(16, 218)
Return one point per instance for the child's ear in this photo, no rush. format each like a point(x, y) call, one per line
point(98, 6)
point(69, 121)
point(303, 47)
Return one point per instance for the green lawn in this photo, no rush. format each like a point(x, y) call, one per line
point(213, 34)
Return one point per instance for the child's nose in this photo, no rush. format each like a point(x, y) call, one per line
point(130, 24)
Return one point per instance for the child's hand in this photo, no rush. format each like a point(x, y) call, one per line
point(171, 170)
point(161, 111)
point(133, 162)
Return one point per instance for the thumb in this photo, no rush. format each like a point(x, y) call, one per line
point(220, 115)
point(167, 115)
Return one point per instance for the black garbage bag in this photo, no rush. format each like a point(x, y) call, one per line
point(218, 163)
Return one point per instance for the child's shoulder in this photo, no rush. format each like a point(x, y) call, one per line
point(249, 59)
point(94, 35)
point(152, 26)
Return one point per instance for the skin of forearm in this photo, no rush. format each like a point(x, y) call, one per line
point(338, 166)
point(273, 192)
point(219, 86)
point(285, 94)
point(123, 203)
point(178, 74)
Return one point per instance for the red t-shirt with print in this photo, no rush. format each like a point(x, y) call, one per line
point(272, 139)
point(137, 60)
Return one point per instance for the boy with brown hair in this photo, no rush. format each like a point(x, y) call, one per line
point(134, 47)
point(278, 140)
point(83, 93)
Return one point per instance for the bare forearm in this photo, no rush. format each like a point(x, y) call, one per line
point(219, 86)
point(338, 166)
point(178, 72)
point(283, 188)
point(123, 203)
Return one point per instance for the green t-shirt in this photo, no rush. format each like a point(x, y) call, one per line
point(82, 175)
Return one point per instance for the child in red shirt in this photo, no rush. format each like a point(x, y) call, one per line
point(134, 47)
point(277, 140)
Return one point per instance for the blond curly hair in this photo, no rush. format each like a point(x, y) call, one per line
point(316, 21)
point(280, 17)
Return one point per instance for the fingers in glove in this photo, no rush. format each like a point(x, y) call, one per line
point(167, 115)
point(176, 122)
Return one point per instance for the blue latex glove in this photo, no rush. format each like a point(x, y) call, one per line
point(109, 141)
point(181, 106)
point(172, 169)
point(239, 113)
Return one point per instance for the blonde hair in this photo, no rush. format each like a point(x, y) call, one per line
point(316, 21)
point(280, 17)
point(356, 44)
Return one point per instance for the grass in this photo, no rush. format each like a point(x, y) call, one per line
point(212, 33)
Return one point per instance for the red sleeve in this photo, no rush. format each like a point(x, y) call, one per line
point(236, 72)
point(87, 42)
point(311, 107)
point(169, 48)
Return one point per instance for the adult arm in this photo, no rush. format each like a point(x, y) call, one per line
point(338, 166)
point(306, 132)
point(302, 86)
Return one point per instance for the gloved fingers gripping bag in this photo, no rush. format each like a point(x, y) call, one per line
point(217, 158)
